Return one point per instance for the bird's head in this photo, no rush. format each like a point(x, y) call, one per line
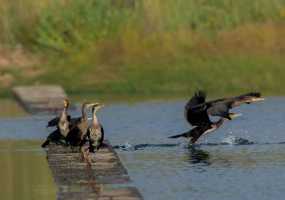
point(86, 105)
point(66, 103)
point(96, 107)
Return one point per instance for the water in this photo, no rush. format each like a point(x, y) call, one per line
point(24, 172)
point(244, 159)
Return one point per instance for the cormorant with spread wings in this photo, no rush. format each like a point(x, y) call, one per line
point(198, 112)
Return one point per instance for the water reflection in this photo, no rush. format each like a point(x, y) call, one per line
point(25, 174)
point(198, 156)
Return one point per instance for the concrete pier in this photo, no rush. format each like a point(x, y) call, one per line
point(103, 177)
point(45, 98)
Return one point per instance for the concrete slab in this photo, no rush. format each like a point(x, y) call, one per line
point(44, 98)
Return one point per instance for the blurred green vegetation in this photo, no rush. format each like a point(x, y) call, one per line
point(149, 47)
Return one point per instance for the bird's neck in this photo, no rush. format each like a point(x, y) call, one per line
point(83, 112)
point(95, 120)
point(64, 113)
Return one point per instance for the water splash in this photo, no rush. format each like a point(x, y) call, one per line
point(230, 140)
point(129, 147)
point(233, 140)
point(125, 147)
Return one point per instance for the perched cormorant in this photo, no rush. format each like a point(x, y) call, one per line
point(64, 116)
point(62, 123)
point(197, 112)
point(95, 131)
point(77, 134)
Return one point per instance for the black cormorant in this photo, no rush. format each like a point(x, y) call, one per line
point(197, 112)
point(95, 131)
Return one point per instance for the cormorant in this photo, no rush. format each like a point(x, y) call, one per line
point(78, 130)
point(55, 121)
point(197, 112)
point(95, 131)
point(62, 123)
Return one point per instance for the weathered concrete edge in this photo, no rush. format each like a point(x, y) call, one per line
point(76, 181)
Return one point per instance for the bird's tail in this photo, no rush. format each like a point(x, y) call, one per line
point(46, 143)
point(193, 138)
point(195, 133)
point(179, 135)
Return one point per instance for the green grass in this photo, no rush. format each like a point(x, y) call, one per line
point(154, 48)
point(217, 75)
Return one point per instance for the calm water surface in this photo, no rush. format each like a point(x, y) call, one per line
point(163, 168)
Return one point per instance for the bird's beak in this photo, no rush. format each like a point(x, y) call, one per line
point(97, 105)
point(93, 104)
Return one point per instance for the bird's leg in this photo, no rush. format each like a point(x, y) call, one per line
point(88, 158)
point(85, 156)
point(81, 149)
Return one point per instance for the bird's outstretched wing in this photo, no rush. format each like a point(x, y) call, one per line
point(195, 110)
point(221, 107)
point(246, 98)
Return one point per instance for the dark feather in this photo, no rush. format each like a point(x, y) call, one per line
point(194, 133)
point(54, 122)
point(102, 138)
point(54, 137)
point(220, 107)
point(199, 116)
